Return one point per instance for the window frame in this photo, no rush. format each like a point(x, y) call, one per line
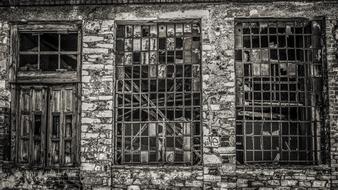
point(320, 151)
point(157, 23)
point(39, 76)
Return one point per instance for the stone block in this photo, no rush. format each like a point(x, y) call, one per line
point(92, 39)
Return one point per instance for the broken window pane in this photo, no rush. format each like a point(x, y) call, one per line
point(129, 31)
point(153, 58)
point(162, 31)
point(179, 57)
point(49, 62)
point(120, 33)
point(69, 42)
point(187, 57)
point(128, 46)
point(170, 43)
point(290, 41)
point(137, 45)
point(145, 31)
point(255, 41)
point(145, 44)
point(273, 42)
point(28, 42)
point(179, 29)
point(170, 30)
point(238, 42)
point(187, 43)
point(246, 42)
point(28, 62)
point(264, 41)
point(136, 57)
point(68, 62)
point(49, 42)
point(153, 43)
point(137, 31)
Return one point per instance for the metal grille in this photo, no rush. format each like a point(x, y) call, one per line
point(279, 90)
point(158, 93)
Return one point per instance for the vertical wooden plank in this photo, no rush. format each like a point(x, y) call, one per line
point(75, 126)
point(56, 96)
point(44, 124)
point(18, 124)
point(50, 108)
point(15, 113)
point(38, 116)
point(13, 60)
point(68, 100)
point(30, 121)
point(62, 124)
point(13, 117)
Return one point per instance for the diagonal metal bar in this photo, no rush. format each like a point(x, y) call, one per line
point(160, 113)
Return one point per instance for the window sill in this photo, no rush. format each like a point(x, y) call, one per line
point(46, 77)
point(13, 165)
point(283, 167)
point(158, 167)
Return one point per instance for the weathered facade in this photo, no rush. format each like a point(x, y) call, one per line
point(216, 160)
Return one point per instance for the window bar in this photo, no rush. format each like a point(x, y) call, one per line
point(59, 51)
point(39, 67)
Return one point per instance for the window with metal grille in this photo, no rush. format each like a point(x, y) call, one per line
point(279, 69)
point(158, 93)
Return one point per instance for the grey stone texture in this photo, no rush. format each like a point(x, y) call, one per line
point(219, 169)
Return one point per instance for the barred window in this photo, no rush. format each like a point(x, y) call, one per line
point(279, 69)
point(158, 93)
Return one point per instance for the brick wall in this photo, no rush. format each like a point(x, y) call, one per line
point(219, 169)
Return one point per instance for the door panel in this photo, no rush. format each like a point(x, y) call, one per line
point(61, 137)
point(47, 120)
point(32, 119)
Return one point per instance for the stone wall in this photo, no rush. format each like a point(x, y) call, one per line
point(97, 101)
point(4, 92)
point(219, 169)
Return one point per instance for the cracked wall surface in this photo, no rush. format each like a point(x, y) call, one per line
point(219, 169)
